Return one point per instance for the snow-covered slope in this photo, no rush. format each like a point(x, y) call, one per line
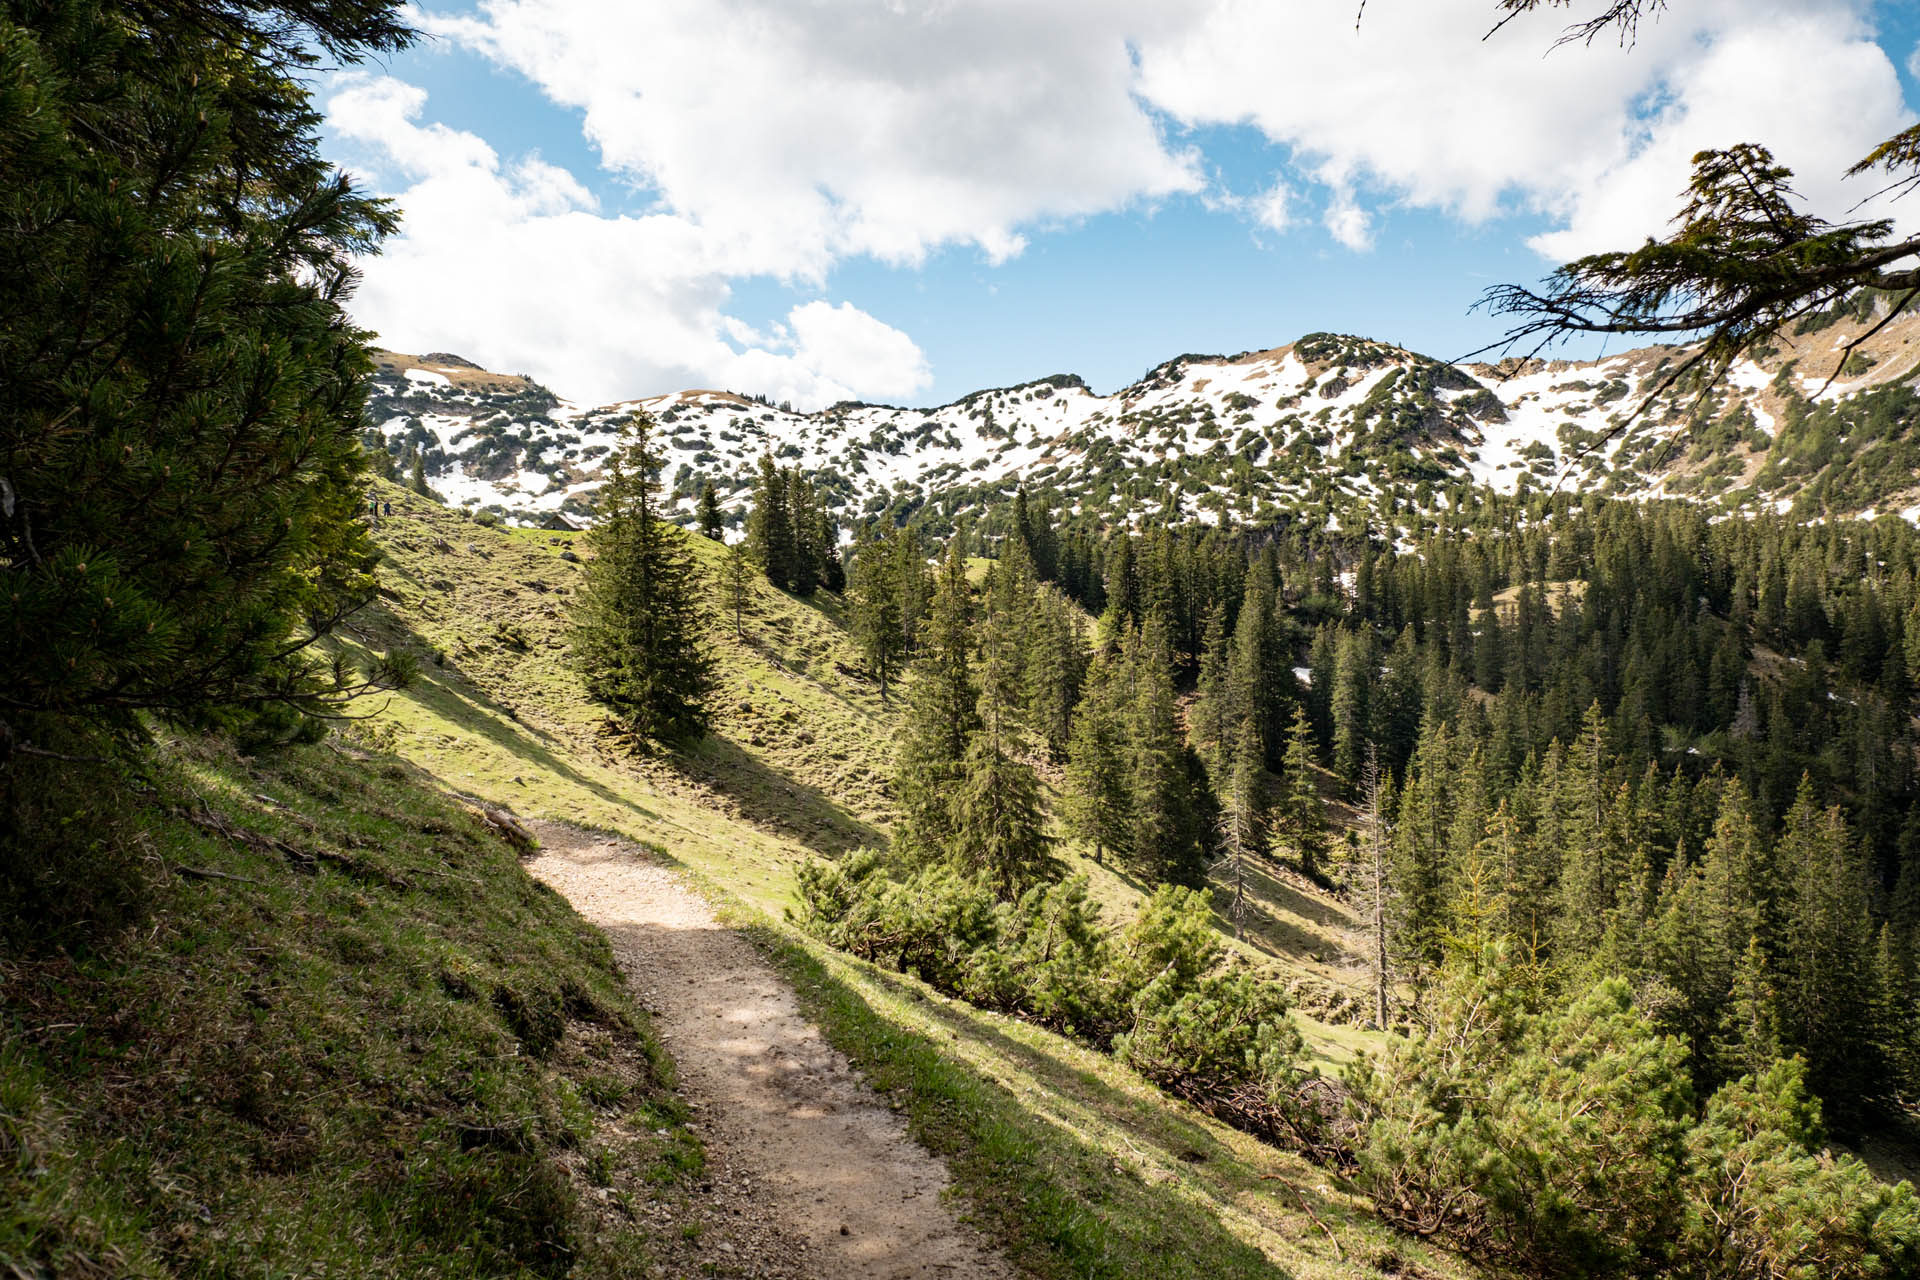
point(1325, 422)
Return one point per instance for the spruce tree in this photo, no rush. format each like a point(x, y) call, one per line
point(183, 388)
point(636, 618)
point(736, 578)
point(711, 524)
point(770, 534)
point(1096, 801)
point(942, 717)
point(875, 609)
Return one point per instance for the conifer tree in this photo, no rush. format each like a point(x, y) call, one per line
point(710, 520)
point(1243, 821)
point(875, 608)
point(1353, 677)
point(182, 415)
point(636, 618)
point(737, 571)
point(1826, 965)
point(1165, 846)
point(1096, 801)
point(999, 828)
point(770, 533)
point(1302, 815)
point(942, 717)
point(916, 585)
point(806, 569)
point(1056, 665)
point(1213, 720)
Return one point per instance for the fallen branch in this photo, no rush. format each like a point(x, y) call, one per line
point(207, 873)
point(1338, 1253)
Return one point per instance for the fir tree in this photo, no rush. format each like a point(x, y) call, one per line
point(184, 390)
point(710, 520)
point(736, 577)
point(636, 618)
point(876, 611)
point(1096, 801)
point(942, 717)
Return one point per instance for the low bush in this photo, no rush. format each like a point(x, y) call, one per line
point(1565, 1141)
point(1153, 992)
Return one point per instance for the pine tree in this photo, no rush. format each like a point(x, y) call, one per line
point(1096, 801)
point(916, 586)
point(1372, 883)
point(1353, 678)
point(184, 391)
point(710, 520)
point(1165, 847)
point(1826, 964)
point(736, 578)
point(942, 717)
point(875, 609)
point(1214, 720)
point(1055, 668)
point(999, 827)
point(1243, 821)
point(636, 618)
point(770, 533)
point(1303, 816)
point(807, 568)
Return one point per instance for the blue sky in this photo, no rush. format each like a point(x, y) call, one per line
point(899, 202)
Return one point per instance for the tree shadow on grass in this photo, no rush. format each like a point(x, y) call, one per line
point(1180, 1137)
point(1067, 1205)
point(1274, 931)
point(776, 801)
point(448, 690)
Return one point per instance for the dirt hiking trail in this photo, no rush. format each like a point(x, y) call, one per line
point(810, 1175)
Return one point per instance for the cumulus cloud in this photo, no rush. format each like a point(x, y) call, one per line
point(1597, 138)
point(800, 134)
point(510, 265)
point(780, 140)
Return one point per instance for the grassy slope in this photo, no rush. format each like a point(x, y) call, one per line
point(1085, 1170)
point(303, 1015)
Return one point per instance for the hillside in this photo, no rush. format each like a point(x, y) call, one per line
point(1326, 422)
point(797, 768)
point(302, 1013)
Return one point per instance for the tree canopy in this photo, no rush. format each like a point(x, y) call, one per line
point(180, 472)
point(1743, 260)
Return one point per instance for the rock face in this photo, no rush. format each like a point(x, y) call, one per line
point(1324, 424)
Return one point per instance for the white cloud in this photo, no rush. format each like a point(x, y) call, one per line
point(1420, 106)
point(848, 345)
point(510, 266)
point(798, 135)
point(781, 139)
point(1347, 222)
point(1913, 62)
point(1273, 208)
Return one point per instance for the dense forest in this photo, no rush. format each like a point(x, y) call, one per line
point(1611, 771)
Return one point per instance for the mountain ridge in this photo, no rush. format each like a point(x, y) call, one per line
point(1327, 423)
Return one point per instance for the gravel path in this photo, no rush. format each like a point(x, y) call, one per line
point(810, 1174)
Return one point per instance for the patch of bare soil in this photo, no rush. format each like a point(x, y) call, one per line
point(810, 1175)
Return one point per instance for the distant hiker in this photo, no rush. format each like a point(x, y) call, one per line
point(389, 507)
